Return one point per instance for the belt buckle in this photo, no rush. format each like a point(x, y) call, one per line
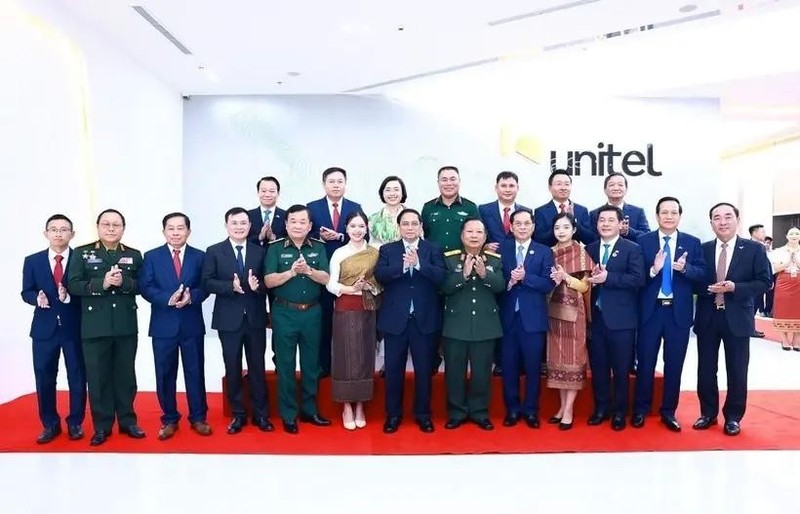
point(302, 306)
point(720, 307)
point(666, 302)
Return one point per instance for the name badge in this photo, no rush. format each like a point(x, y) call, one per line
point(94, 260)
point(125, 260)
point(286, 256)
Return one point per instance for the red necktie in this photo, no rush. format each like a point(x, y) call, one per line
point(506, 220)
point(176, 262)
point(58, 271)
point(563, 207)
point(335, 216)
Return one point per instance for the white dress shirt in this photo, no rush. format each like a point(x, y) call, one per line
point(718, 249)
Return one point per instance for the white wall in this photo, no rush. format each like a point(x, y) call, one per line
point(83, 128)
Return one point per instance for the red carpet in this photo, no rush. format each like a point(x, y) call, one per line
point(771, 423)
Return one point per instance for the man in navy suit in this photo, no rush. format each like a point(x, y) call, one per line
point(55, 328)
point(560, 184)
point(526, 269)
point(328, 217)
point(410, 316)
point(233, 270)
point(170, 280)
point(616, 278)
point(267, 221)
point(676, 267)
point(634, 223)
point(738, 272)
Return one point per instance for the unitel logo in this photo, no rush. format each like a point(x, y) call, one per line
point(633, 163)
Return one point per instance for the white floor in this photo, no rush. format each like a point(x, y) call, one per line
point(683, 482)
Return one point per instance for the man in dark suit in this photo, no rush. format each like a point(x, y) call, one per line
point(233, 270)
point(171, 281)
point(560, 184)
point(634, 222)
point(105, 274)
point(267, 221)
point(526, 270)
point(617, 277)
point(55, 328)
point(411, 270)
point(667, 309)
point(738, 272)
point(328, 217)
point(757, 234)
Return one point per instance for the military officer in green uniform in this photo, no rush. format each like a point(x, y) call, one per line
point(104, 274)
point(471, 325)
point(296, 270)
point(443, 216)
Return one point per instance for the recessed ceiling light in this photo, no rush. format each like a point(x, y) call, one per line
point(688, 8)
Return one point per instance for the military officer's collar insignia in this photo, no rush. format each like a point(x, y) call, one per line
point(121, 247)
point(490, 268)
point(278, 240)
point(97, 245)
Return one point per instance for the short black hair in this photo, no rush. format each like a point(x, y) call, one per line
point(113, 211)
point(521, 211)
point(409, 211)
point(753, 228)
point(445, 168)
point(332, 170)
point(356, 214)
point(171, 215)
point(298, 207)
point(721, 204)
point(234, 211)
point(668, 199)
point(56, 217)
point(506, 175)
point(565, 215)
point(268, 178)
point(769, 238)
point(558, 172)
point(472, 218)
point(388, 179)
point(614, 174)
point(611, 208)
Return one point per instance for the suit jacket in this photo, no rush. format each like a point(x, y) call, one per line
point(749, 270)
point(158, 282)
point(399, 288)
point(231, 307)
point(544, 215)
point(490, 214)
point(532, 291)
point(321, 217)
point(37, 276)
point(278, 223)
point(683, 284)
point(619, 294)
point(637, 221)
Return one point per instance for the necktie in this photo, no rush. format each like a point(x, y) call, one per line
point(410, 268)
point(240, 260)
point(666, 271)
point(520, 261)
point(335, 217)
point(604, 258)
point(176, 262)
point(266, 217)
point(58, 270)
point(562, 207)
point(410, 274)
point(506, 220)
point(722, 263)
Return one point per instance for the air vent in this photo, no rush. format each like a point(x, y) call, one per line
point(159, 27)
point(542, 12)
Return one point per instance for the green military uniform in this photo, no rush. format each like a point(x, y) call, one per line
point(471, 325)
point(442, 223)
point(109, 330)
point(296, 321)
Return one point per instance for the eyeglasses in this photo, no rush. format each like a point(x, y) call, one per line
point(53, 230)
point(106, 225)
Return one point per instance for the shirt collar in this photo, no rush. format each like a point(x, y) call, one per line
point(558, 204)
point(181, 250)
point(412, 244)
point(672, 237)
point(339, 203)
point(612, 243)
point(51, 254)
point(234, 244)
point(288, 242)
point(456, 201)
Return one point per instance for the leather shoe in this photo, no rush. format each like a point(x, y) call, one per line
point(596, 418)
point(264, 424)
point(48, 434)
point(703, 422)
point(618, 422)
point(637, 421)
point(167, 431)
point(426, 425)
point(483, 424)
point(511, 419)
point(99, 437)
point(732, 428)
point(315, 420)
point(565, 426)
point(202, 428)
point(532, 420)
point(132, 431)
point(671, 423)
point(391, 425)
point(75, 432)
point(497, 371)
point(554, 420)
point(453, 424)
point(757, 334)
point(290, 427)
point(236, 425)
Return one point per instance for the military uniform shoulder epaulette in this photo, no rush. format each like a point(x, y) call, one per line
point(316, 240)
point(276, 240)
point(492, 254)
point(452, 252)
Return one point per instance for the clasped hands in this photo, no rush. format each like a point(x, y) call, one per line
point(473, 263)
point(42, 301)
point(725, 286)
point(678, 265)
point(180, 298)
point(252, 281)
point(113, 277)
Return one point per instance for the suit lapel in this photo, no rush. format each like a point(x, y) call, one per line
point(326, 214)
point(737, 257)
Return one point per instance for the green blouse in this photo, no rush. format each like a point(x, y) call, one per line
point(383, 228)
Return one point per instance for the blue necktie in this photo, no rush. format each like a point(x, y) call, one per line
point(240, 260)
point(266, 217)
point(666, 271)
point(410, 274)
point(604, 258)
point(520, 262)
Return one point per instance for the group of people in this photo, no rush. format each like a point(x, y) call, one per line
point(498, 286)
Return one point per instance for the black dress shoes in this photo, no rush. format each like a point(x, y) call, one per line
point(75, 432)
point(425, 425)
point(132, 431)
point(236, 425)
point(483, 424)
point(671, 423)
point(510, 420)
point(48, 434)
point(554, 420)
point(703, 422)
point(757, 334)
point(565, 426)
point(497, 371)
point(452, 424)
point(637, 421)
point(290, 427)
point(532, 420)
point(596, 418)
point(99, 437)
point(391, 425)
point(264, 424)
point(618, 422)
point(732, 428)
point(315, 420)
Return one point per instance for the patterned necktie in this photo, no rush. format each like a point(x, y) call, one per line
point(176, 262)
point(562, 207)
point(335, 217)
point(58, 271)
point(666, 271)
point(506, 220)
point(266, 217)
point(240, 260)
point(722, 263)
point(520, 262)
